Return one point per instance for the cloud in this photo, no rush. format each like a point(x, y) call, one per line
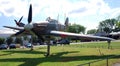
point(15, 8)
point(18, 8)
point(7, 31)
point(80, 10)
point(77, 10)
point(90, 7)
point(74, 8)
point(10, 10)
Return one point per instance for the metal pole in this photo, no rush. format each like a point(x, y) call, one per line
point(48, 47)
point(48, 50)
point(89, 64)
point(107, 62)
point(109, 44)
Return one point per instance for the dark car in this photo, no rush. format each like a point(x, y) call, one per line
point(63, 41)
point(3, 46)
point(12, 46)
point(28, 45)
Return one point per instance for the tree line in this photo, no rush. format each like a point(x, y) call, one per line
point(107, 26)
point(17, 40)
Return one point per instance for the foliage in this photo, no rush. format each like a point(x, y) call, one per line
point(9, 40)
point(107, 25)
point(117, 27)
point(2, 40)
point(18, 40)
point(107, 30)
point(117, 24)
point(75, 28)
point(92, 31)
point(25, 38)
point(34, 39)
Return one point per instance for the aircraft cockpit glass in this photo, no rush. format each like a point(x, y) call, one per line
point(53, 21)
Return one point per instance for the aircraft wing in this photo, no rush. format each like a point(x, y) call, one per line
point(16, 28)
point(80, 36)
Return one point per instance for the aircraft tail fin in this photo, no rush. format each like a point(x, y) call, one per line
point(66, 22)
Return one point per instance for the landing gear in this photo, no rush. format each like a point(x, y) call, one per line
point(48, 46)
point(48, 50)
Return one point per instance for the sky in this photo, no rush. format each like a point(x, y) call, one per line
point(84, 12)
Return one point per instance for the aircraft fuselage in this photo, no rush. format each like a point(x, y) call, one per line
point(44, 28)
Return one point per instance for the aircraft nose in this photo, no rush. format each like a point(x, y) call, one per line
point(28, 26)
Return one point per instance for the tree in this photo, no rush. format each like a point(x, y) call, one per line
point(107, 30)
point(117, 25)
point(107, 25)
point(25, 38)
point(92, 31)
point(2, 40)
point(76, 28)
point(18, 40)
point(34, 39)
point(9, 40)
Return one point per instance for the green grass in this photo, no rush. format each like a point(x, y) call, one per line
point(68, 55)
point(104, 45)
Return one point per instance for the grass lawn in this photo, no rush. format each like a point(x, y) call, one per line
point(67, 55)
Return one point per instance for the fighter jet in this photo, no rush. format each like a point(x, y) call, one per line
point(50, 27)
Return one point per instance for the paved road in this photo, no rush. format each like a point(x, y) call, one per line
point(116, 64)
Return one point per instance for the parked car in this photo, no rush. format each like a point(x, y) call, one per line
point(63, 41)
point(12, 46)
point(3, 46)
point(28, 45)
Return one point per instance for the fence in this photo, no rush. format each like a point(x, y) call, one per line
point(107, 61)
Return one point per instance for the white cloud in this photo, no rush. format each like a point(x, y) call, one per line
point(15, 8)
point(76, 10)
point(18, 8)
point(7, 31)
point(92, 7)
